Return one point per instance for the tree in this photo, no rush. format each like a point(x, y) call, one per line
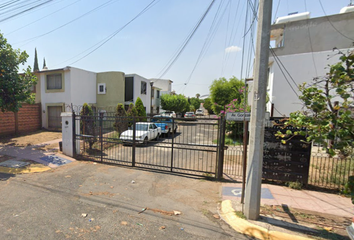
point(208, 105)
point(121, 121)
point(139, 106)
point(177, 103)
point(131, 113)
point(328, 104)
point(197, 95)
point(35, 66)
point(44, 64)
point(87, 124)
point(224, 92)
point(195, 102)
point(15, 88)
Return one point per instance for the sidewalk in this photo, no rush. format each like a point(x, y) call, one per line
point(275, 198)
point(30, 159)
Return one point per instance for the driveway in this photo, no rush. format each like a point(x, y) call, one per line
point(54, 204)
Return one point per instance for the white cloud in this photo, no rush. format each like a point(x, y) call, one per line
point(232, 49)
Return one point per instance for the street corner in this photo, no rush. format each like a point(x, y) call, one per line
point(11, 165)
point(243, 226)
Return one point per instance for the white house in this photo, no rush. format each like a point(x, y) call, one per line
point(303, 48)
point(62, 87)
point(164, 86)
point(137, 86)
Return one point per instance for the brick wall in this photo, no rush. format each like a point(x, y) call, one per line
point(29, 120)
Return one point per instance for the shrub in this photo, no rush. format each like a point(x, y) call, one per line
point(121, 121)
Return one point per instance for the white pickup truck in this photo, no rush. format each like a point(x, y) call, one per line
point(144, 132)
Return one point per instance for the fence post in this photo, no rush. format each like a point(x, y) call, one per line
point(221, 148)
point(74, 134)
point(101, 135)
point(134, 143)
point(173, 136)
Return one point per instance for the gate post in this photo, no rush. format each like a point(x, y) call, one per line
point(134, 143)
point(172, 146)
point(101, 135)
point(220, 164)
point(67, 133)
point(74, 135)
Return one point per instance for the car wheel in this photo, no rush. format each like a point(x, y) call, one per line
point(145, 141)
point(157, 137)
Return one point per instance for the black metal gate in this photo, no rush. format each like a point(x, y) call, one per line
point(193, 148)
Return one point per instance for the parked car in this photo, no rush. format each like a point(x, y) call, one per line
point(144, 132)
point(199, 112)
point(165, 123)
point(168, 113)
point(190, 116)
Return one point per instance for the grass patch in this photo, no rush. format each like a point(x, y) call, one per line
point(240, 215)
point(230, 141)
point(294, 185)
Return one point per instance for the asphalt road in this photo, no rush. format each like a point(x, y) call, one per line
point(50, 205)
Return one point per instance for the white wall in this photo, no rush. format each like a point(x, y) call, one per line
point(302, 69)
point(164, 84)
point(146, 98)
point(83, 86)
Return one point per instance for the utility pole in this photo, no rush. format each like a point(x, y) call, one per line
point(254, 168)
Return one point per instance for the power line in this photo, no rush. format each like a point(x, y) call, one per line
point(120, 29)
point(61, 26)
point(332, 23)
point(173, 60)
point(42, 18)
point(26, 10)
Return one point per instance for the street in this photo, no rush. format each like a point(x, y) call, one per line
point(54, 204)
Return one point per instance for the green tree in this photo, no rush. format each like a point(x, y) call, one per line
point(15, 88)
point(87, 124)
point(35, 66)
point(141, 113)
point(131, 113)
point(224, 92)
point(121, 121)
point(208, 105)
point(177, 103)
point(195, 102)
point(197, 95)
point(328, 102)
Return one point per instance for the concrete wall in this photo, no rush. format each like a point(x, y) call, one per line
point(302, 69)
point(146, 98)
point(83, 86)
point(115, 83)
point(299, 35)
point(164, 84)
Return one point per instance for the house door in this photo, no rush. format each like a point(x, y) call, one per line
point(54, 119)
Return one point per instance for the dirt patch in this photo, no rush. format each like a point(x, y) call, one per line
point(328, 226)
point(31, 139)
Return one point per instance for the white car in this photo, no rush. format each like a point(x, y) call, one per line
point(199, 112)
point(168, 113)
point(144, 132)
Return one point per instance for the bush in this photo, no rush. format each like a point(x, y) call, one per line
point(121, 122)
point(141, 113)
point(87, 124)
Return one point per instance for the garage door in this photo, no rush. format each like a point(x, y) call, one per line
point(54, 119)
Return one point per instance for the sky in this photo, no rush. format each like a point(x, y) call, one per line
point(113, 35)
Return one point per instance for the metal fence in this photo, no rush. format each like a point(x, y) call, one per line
point(192, 149)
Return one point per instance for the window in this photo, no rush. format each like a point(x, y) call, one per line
point(54, 81)
point(158, 94)
point(143, 88)
point(101, 88)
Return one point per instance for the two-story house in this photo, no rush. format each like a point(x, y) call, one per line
point(302, 50)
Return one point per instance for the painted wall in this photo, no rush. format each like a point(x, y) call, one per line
point(146, 98)
point(115, 85)
point(302, 69)
point(164, 84)
point(78, 87)
point(316, 34)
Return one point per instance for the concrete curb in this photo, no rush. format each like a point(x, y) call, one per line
point(30, 169)
point(227, 213)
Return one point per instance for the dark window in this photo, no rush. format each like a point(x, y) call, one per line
point(157, 94)
point(54, 81)
point(129, 87)
point(143, 88)
point(101, 88)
